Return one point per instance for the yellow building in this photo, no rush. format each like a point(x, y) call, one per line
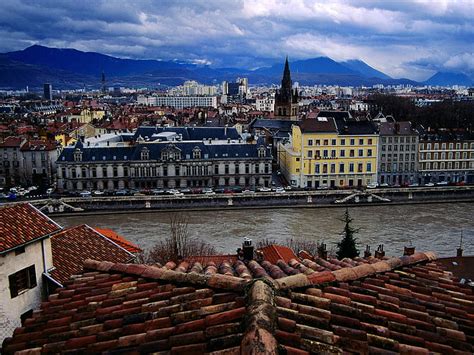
point(325, 152)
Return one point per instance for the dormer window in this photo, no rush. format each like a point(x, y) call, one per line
point(262, 152)
point(145, 154)
point(77, 155)
point(196, 153)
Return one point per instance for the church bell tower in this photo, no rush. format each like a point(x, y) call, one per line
point(286, 99)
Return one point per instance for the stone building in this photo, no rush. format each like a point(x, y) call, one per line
point(176, 157)
point(446, 157)
point(398, 153)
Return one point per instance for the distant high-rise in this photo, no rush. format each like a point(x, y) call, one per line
point(286, 99)
point(103, 88)
point(48, 92)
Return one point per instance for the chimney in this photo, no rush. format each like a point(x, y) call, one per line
point(322, 251)
point(247, 249)
point(409, 251)
point(380, 253)
point(367, 252)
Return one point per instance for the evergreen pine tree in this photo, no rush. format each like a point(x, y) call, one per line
point(346, 248)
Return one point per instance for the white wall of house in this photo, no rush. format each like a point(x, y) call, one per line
point(12, 308)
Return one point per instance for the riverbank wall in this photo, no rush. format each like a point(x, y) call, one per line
point(293, 199)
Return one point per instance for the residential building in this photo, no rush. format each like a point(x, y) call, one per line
point(39, 162)
point(11, 167)
point(330, 152)
point(266, 103)
point(398, 153)
point(446, 157)
point(178, 101)
point(25, 263)
point(175, 157)
point(286, 98)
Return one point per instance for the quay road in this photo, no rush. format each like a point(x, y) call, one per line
point(313, 198)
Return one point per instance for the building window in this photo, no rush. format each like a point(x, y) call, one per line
point(326, 142)
point(361, 141)
point(325, 168)
point(325, 153)
point(196, 153)
point(369, 167)
point(316, 168)
point(333, 153)
point(318, 142)
point(310, 142)
point(310, 153)
point(145, 154)
point(237, 168)
point(359, 167)
point(22, 280)
point(333, 142)
point(352, 141)
point(369, 152)
point(77, 155)
point(361, 152)
point(341, 168)
point(369, 141)
point(333, 168)
point(343, 142)
point(351, 153)
point(262, 152)
point(351, 167)
point(342, 153)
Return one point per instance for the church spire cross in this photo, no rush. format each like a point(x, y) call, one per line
point(286, 81)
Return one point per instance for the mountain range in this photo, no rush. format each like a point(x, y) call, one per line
point(71, 68)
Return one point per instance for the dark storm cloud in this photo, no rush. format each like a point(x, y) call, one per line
point(402, 38)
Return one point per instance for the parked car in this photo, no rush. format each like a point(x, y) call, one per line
point(158, 192)
point(442, 183)
point(372, 185)
point(121, 192)
point(264, 189)
point(85, 193)
point(98, 193)
point(207, 190)
point(186, 191)
point(279, 190)
point(415, 184)
point(429, 184)
point(248, 192)
point(384, 185)
point(323, 187)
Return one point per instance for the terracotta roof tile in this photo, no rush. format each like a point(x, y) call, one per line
point(21, 224)
point(365, 307)
point(74, 245)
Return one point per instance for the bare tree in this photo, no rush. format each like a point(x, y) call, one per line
point(178, 245)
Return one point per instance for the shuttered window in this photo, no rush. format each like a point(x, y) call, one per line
point(22, 280)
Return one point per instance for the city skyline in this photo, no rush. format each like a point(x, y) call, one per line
point(412, 39)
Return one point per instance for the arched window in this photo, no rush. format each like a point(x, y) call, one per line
point(77, 155)
point(262, 152)
point(196, 153)
point(145, 154)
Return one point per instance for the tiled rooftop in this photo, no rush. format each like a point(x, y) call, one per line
point(21, 224)
point(396, 305)
point(118, 239)
point(74, 245)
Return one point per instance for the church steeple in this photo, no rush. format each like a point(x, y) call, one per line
point(286, 81)
point(286, 98)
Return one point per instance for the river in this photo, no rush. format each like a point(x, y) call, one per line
point(428, 227)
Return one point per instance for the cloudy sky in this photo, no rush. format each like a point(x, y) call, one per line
point(402, 38)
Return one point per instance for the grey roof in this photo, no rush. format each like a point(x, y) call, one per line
point(398, 128)
point(189, 133)
point(222, 150)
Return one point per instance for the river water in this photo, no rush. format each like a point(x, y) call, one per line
point(428, 227)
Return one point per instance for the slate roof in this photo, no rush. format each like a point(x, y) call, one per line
point(214, 151)
point(396, 305)
point(318, 125)
point(11, 142)
point(74, 245)
point(190, 133)
point(21, 224)
point(399, 128)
